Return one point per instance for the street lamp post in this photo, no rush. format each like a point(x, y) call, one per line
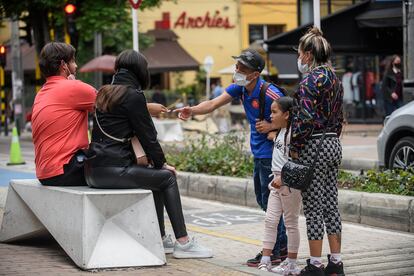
point(135, 5)
point(317, 13)
point(208, 66)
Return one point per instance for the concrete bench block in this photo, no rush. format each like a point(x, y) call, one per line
point(96, 228)
point(183, 179)
point(350, 205)
point(202, 186)
point(231, 190)
point(388, 211)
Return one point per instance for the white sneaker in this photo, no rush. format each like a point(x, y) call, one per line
point(286, 268)
point(191, 250)
point(168, 244)
point(265, 267)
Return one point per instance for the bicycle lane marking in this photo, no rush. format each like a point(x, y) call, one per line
point(223, 235)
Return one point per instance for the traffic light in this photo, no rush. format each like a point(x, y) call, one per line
point(28, 32)
point(71, 12)
point(3, 54)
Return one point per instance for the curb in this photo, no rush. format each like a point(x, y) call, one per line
point(381, 210)
point(358, 164)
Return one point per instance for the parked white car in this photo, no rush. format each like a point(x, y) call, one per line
point(396, 140)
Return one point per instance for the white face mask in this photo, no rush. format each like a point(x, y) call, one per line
point(240, 79)
point(303, 68)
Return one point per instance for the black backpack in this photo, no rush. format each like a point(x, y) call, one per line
point(263, 90)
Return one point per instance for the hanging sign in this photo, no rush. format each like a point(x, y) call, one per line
point(135, 3)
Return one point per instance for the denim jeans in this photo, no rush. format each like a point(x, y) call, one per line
point(261, 177)
point(390, 107)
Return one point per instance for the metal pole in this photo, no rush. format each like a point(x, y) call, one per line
point(408, 50)
point(408, 24)
point(17, 75)
point(135, 30)
point(317, 13)
point(208, 86)
point(97, 53)
point(329, 6)
point(3, 103)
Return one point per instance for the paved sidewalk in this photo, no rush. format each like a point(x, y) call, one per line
point(234, 233)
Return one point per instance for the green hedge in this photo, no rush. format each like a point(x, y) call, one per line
point(390, 182)
point(214, 155)
point(226, 156)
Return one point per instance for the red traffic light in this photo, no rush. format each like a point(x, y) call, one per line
point(70, 8)
point(2, 56)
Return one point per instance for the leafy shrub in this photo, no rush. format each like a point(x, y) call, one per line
point(214, 155)
point(226, 156)
point(391, 182)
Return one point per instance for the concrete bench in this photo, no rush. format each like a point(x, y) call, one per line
point(96, 228)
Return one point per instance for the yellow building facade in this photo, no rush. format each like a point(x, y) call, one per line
point(219, 28)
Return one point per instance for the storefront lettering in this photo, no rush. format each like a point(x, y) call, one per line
point(199, 22)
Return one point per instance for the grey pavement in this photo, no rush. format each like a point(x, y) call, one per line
point(234, 233)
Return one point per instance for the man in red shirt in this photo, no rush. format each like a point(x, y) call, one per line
point(60, 118)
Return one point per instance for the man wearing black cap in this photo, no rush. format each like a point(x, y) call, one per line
point(246, 87)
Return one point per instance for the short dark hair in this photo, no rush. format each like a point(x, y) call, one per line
point(136, 63)
point(52, 55)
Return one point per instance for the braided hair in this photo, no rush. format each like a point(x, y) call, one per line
point(286, 104)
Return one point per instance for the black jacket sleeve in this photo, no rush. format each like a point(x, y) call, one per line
point(143, 127)
point(387, 86)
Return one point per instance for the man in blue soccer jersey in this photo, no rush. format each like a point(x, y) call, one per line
point(246, 87)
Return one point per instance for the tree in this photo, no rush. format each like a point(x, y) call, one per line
point(110, 17)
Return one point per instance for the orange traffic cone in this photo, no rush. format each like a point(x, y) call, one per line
point(15, 152)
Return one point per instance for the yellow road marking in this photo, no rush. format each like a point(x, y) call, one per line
point(223, 235)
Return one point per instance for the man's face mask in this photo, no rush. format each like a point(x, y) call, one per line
point(240, 79)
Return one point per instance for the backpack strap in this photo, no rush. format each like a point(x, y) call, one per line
point(262, 102)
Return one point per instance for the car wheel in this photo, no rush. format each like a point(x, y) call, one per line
point(402, 155)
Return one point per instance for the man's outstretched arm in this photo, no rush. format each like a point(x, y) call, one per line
point(205, 107)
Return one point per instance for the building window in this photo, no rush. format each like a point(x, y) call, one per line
point(263, 32)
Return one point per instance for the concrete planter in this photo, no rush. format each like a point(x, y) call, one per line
point(381, 210)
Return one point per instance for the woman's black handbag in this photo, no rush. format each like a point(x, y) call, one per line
point(296, 175)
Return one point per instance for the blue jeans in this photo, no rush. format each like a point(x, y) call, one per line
point(261, 178)
point(390, 107)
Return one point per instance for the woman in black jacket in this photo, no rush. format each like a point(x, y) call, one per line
point(392, 85)
point(121, 113)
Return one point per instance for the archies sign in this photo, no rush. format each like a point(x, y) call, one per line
point(135, 3)
point(206, 21)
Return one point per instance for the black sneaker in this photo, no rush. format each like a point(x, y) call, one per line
point(256, 260)
point(333, 269)
point(311, 270)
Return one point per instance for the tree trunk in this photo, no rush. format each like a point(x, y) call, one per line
point(39, 20)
